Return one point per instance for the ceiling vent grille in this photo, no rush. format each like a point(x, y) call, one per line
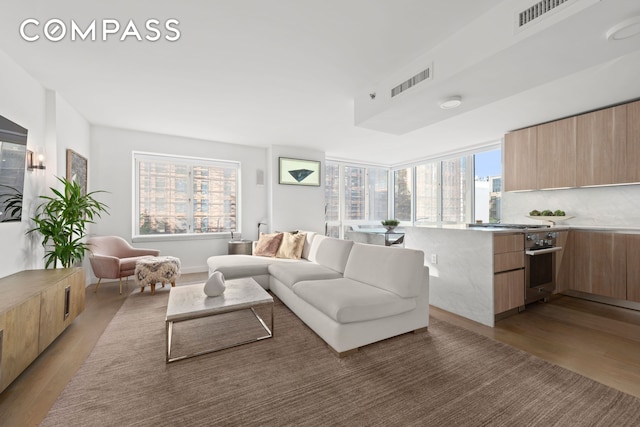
point(537, 10)
point(408, 84)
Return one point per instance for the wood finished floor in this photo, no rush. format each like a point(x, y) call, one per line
point(596, 340)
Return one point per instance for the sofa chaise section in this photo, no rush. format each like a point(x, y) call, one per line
point(384, 293)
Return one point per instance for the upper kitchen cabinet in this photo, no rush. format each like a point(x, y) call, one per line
point(520, 160)
point(602, 147)
point(597, 148)
point(633, 142)
point(557, 154)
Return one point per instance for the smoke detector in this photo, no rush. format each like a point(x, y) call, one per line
point(451, 102)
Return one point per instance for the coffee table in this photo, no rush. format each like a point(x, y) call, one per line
point(189, 303)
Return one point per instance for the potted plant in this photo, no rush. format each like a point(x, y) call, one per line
point(62, 220)
point(390, 224)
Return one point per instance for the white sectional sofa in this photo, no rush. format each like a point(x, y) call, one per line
point(350, 294)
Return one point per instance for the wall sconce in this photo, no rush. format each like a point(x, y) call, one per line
point(35, 160)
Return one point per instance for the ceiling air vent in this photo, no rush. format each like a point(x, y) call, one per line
point(408, 84)
point(537, 10)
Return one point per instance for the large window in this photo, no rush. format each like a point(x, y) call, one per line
point(355, 196)
point(427, 194)
point(488, 185)
point(402, 194)
point(454, 190)
point(180, 195)
point(443, 191)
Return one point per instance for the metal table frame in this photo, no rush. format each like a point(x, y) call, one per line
point(239, 307)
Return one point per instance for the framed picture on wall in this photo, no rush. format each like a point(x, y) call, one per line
point(299, 172)
point(77, 169)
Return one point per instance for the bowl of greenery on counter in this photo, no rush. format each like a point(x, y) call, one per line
point(548, 215)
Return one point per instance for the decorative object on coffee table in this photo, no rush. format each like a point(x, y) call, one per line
point(154, 270)
point(214, 286)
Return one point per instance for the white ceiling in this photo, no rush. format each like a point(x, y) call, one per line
point(294, 72)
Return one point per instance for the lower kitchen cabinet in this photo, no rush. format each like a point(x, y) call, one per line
point(508, 290)
point(508, 268)
point(599, 263)
point(633, 267)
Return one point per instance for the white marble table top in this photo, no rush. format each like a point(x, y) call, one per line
point(190, 301)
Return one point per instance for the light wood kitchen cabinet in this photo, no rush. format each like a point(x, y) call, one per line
point(597, 148)
point(36, 306)
point(556, 154)
point(599, 263)
point(633, 142)
point(508, 266)
point(633, 267)
point(602, 147)
point(508, 252)
point(508, 290)
point(563, 261)
point(520, 160)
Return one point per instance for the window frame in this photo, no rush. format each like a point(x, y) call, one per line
point(469, 188)
point(342, 222)
point(190, 162)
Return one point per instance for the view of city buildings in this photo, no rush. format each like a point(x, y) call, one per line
point(434, 192)
point(179, 198)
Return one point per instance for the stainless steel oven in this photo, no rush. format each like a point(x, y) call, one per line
point(540, 265)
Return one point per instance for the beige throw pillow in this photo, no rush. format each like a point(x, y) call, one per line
point(291, 246)
point(268, 244)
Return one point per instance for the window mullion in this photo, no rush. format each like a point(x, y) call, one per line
point(191, 203)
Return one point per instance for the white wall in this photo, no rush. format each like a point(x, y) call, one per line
point(294, 207)
point(72, 131)
point(53, 126)
point(111, 169)
point(22, 101)
point(614, 206)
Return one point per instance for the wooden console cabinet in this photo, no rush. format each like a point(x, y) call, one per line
point(35, 307)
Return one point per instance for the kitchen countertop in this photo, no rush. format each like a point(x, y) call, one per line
point(601, 228)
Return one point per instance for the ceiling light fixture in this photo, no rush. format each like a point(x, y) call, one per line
point(451, 102)
point(625, 29)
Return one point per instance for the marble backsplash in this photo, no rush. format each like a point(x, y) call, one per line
point(611, 206)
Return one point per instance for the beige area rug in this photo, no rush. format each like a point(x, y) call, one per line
point(446, 376)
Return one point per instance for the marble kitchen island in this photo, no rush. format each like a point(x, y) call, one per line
point(468, 271)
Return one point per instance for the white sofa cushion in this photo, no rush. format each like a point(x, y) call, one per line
point(307, 243)
point(330, 252)
point(238, 266)
point(347, 301)
point(292, 273)
point(398, 270)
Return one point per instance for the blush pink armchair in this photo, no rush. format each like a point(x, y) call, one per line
point(112, 257)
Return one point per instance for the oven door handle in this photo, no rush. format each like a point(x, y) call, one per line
point(543, 251)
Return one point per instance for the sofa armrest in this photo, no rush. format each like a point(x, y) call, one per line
point(134, 252)
point(105, 266)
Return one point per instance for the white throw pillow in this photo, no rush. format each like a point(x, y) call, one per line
point(215, 284)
